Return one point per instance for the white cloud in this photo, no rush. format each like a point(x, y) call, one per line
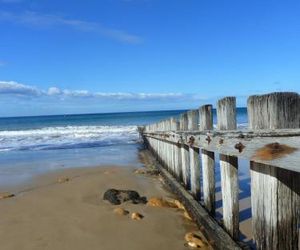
point(77, 93)
point(54, 91)
point(44, 21)
point(12, 88)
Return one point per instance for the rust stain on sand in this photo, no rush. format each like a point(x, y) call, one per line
point(273, 151)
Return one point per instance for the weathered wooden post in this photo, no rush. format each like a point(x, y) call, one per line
point(164, 145)
point(193, 125)
point(208, 161)
point(159, 145)
point(185, 157)
point(173, 125)
point(274, 191)
point(178, 156)
point(168, 147)
point(226, 115)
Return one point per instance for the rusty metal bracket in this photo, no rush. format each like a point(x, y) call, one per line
point(239, 146)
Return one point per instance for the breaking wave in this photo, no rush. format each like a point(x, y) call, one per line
point(67, 137)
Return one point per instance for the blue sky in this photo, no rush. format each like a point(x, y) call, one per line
point(128, 55)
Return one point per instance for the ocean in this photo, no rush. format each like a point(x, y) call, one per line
point(34, 145)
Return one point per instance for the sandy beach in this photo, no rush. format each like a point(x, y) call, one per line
point(72, 214)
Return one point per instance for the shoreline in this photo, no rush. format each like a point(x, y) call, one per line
point(47, 214)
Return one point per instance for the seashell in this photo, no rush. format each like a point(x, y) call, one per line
point(136, 216)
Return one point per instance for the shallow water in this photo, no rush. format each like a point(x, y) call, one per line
point(17, 167)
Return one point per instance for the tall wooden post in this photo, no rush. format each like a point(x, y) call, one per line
point(178, 157)
point(185, 158)
point(208, 161)
point(226, 115)
point(173, 127)
point(275, 192)
point(168, 147)
point(193, 124)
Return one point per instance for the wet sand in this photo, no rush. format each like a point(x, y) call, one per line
point(73, 215)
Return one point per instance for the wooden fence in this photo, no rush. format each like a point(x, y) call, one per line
point(186, 148)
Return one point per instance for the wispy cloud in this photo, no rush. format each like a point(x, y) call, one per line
point(18, 89)
point(12, 88)
point(45, 21)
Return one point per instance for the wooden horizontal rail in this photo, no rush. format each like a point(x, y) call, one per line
point(236, 133)
point(227, 142)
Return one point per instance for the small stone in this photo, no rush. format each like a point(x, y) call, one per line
point(187, 216)
point(120, 211)
point(194, 240)
point(136, 216)
point(192, 244)
point(63, 179)
point(6, 195)
point(178, 204)
point(116, 197)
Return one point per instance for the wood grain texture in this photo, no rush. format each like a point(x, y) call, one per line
point(193, 119)
point(205, 117)
point(208, 161)
point(252, 142)
point(185, 156)
point(226, 116)
point(183, 122)
point(226, 113)
point(230, 191)
point(274, 110)
point(178, 158)
point(185, 160)
point(208, 175)
point(274, 191)
point(195, 172)
point(193, 124)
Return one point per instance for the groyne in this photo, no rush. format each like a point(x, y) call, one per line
point(186, 149)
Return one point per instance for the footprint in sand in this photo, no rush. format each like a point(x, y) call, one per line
point(120, 211)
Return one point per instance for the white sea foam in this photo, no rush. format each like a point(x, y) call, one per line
point(67, 137)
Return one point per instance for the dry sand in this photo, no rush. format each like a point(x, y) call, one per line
point(72, 215)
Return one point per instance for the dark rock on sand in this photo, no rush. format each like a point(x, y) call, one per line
point(116, 197)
